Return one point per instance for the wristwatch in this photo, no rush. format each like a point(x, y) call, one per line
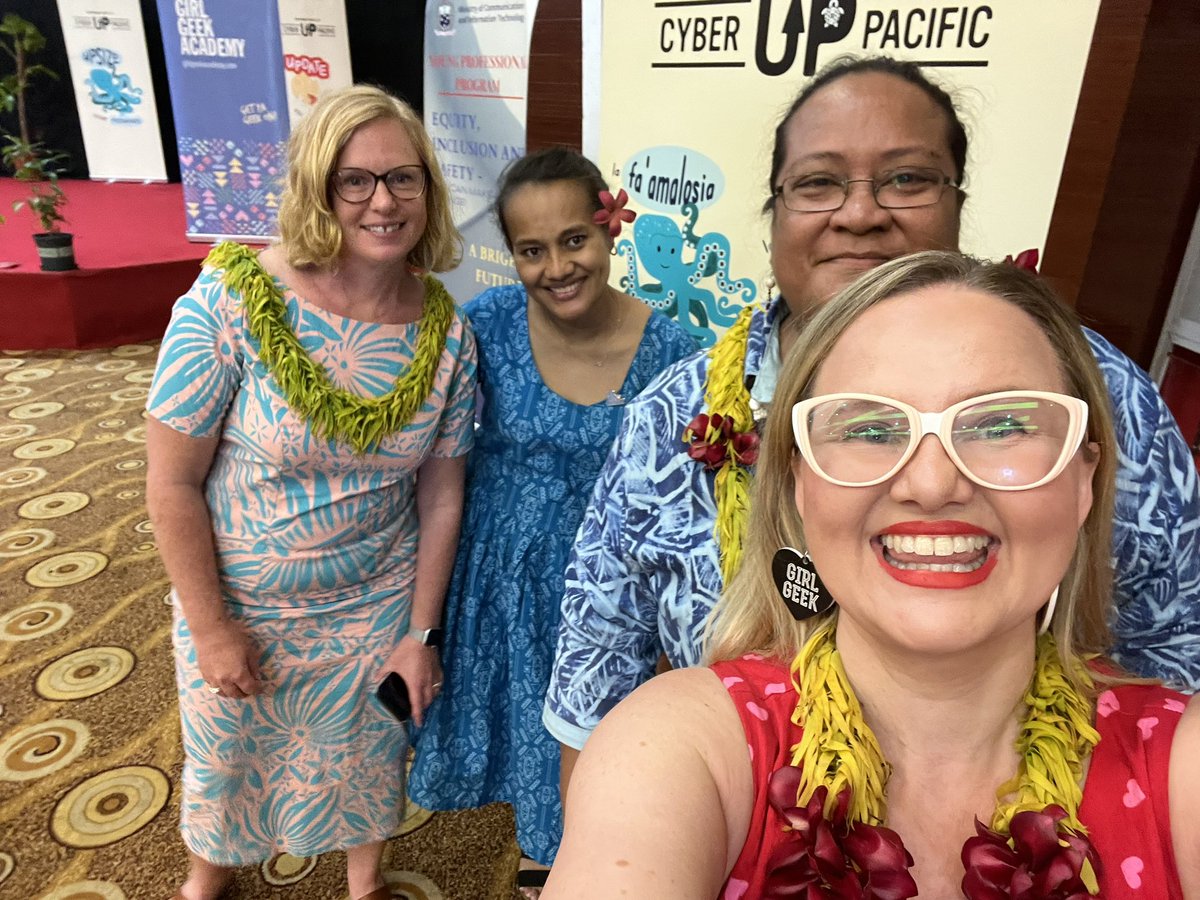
point(430, 637)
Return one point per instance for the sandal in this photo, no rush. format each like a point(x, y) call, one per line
point(531, 881)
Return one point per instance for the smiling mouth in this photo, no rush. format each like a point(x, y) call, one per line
point(959, 553)
point(382, 229)
point(871, 259)
point(567, 291)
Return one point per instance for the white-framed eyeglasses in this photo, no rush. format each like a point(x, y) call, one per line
point(1007, 441)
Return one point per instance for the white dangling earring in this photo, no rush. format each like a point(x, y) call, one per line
point(769, 286)
point(1048, 615)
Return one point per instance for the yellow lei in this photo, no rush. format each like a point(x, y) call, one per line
point(726, 394)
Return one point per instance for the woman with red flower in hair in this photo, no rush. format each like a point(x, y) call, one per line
point(905, 694)
point(559, 355)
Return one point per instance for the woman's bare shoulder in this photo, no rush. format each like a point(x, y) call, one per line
point(661, 796)
point(1184, 788)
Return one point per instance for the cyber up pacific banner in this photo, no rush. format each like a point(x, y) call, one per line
point(110, 71)
point(476, 73)
point(316, 52)
point(225, 68)
point(690, 95)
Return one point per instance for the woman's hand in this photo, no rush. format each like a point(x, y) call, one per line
point(421, 670)
point(228, 660)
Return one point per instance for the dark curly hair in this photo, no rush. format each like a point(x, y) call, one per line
point(542, 166)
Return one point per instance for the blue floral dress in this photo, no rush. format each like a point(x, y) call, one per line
point(529, 478)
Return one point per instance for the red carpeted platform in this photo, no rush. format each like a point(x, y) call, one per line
point(133, 258)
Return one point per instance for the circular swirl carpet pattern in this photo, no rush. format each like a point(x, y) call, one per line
point(90, 755)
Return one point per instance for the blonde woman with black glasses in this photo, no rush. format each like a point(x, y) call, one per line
point(307, 431)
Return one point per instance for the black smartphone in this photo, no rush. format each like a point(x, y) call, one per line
point(393, 694)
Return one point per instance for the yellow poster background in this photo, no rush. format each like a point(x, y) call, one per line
point(689, 75)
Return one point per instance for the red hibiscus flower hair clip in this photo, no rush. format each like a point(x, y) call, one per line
point(1026, 259)
point(614, 211)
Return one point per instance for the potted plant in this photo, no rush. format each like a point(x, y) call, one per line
point(33, 163)
point(20, 40)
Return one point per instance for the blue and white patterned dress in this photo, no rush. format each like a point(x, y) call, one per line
point(645, 571)
point(529, 478)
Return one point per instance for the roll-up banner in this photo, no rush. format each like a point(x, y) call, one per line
point(476, 73)
point(691, 92)
point(110, 71)
point(316, 52)
point(225, 67)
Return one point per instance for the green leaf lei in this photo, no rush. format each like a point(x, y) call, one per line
point(333, 413)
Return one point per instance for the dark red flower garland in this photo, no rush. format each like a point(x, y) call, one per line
point(713, 440)
point(828, 858)
point(1044, 862)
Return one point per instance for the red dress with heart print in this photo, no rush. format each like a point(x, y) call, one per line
point(1124, 798)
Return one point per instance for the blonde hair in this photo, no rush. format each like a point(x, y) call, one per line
point(308, 228)
point(751, 618)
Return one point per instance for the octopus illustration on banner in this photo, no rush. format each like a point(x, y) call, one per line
point(670, 265)
point(109, 89)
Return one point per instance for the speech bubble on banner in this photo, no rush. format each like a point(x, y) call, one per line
point(667, 178)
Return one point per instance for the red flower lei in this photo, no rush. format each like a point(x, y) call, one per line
point(1043, 863)
point(713, 441)
point(829, 858)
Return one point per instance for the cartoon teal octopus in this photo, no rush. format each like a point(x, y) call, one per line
point(660, 245)
point(113, 91)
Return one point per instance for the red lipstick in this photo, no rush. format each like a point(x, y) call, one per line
point(930, 579)
point(938, 526)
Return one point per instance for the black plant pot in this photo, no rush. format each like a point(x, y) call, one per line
point(56, 251)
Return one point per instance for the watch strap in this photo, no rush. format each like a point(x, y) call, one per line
point(430, 637)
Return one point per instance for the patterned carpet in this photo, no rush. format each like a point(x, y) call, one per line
point(90, 756)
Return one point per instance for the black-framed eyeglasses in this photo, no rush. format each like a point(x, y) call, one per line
point(358, 185)
point(905, 188)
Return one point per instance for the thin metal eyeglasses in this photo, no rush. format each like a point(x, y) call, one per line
point(905, 188)
point(359, 185)
point(1006, 441)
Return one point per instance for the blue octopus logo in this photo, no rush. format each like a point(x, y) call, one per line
point(670, 283)
point(113, 91)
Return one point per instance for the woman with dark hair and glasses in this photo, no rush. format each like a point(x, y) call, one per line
point(559, 354)
point(906, 693)
point(307, 432)
point(868, 165)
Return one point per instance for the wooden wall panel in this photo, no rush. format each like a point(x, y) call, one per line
point(1130, 185)
point(555, 107)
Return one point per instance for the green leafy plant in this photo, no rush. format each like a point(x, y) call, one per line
point(33, 163)
point(20, 40)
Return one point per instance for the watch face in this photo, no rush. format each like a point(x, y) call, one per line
point(430, 637)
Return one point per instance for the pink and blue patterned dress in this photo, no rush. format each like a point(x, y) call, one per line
point(529, 478)
point(316, 548)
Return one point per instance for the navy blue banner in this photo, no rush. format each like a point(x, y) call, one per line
point(225, 68)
